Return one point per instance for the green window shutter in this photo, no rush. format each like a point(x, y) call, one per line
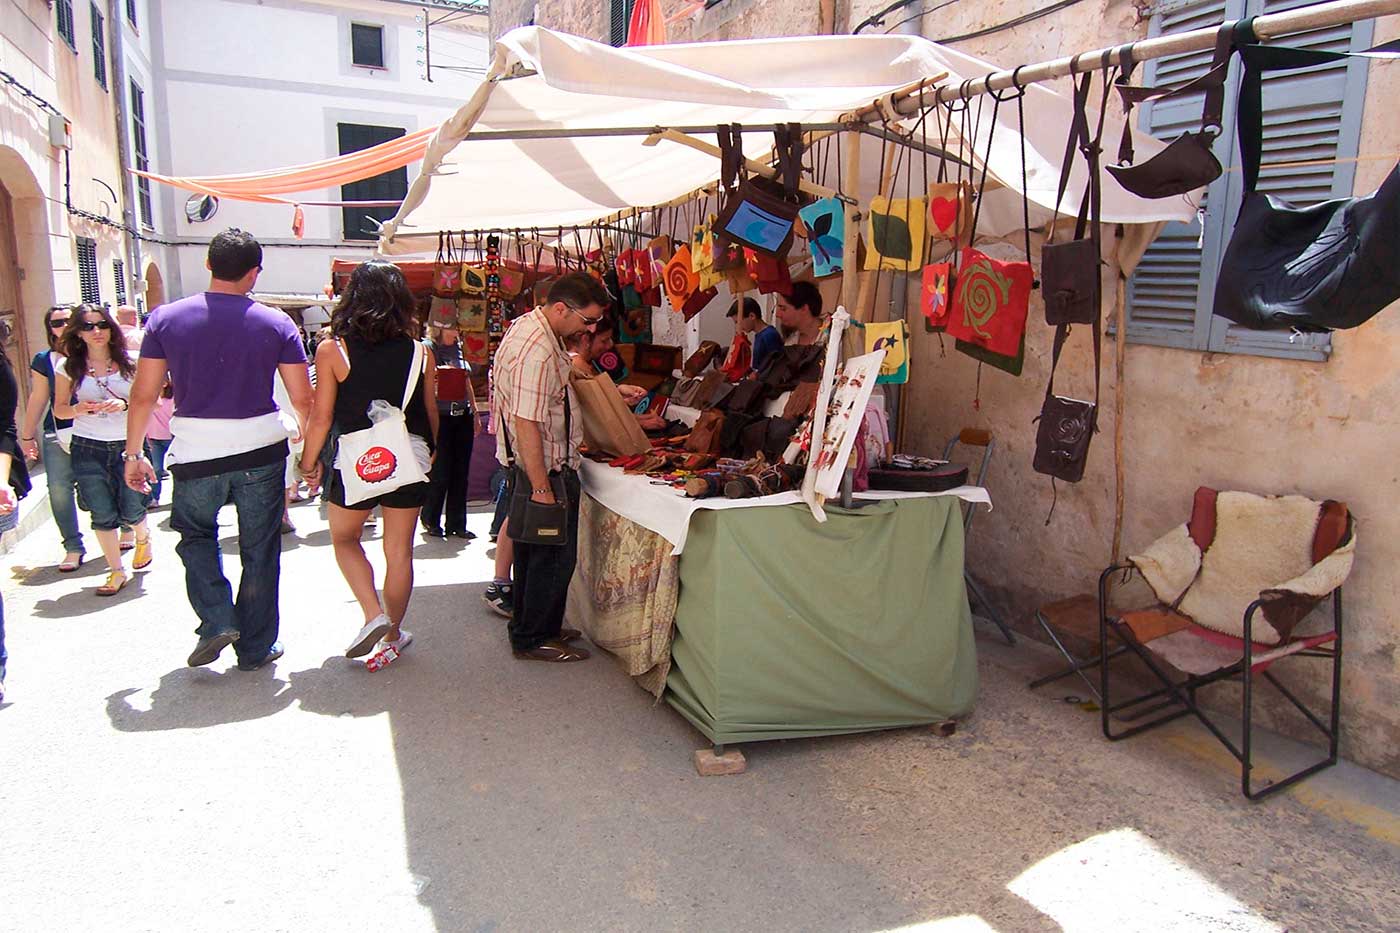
point(1167, 297)
point(620, 16)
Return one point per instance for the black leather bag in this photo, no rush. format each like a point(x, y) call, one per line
point(532, 522)
point(1066, 425)
point(1331, 265)
point(1069, 272)
point(757, 212)
point(1188, 162)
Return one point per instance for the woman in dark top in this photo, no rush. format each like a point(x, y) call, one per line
point(371, 357)
point(457, 430)
point(58, 463)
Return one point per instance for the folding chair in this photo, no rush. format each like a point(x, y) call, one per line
point(977, 437)
point(1235, 584)
point(1076, 617)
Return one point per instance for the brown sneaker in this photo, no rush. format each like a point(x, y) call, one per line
point(554, 651)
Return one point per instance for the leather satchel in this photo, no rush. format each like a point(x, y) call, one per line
point(1069, 272)
point(1187, 163)
point(705, 434)
point(1331, 265)
point(1066, 425)
point(538, 523)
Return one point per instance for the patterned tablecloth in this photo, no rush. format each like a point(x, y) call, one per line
point(624, 592)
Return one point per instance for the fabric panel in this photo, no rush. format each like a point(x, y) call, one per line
point(770, 643)
point(1169, 565)
point(624, 593)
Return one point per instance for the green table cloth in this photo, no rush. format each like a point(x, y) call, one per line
point(787, 628)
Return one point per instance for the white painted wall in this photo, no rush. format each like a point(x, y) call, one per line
point(249, 86)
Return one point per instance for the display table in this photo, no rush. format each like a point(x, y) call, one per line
point(773, 625)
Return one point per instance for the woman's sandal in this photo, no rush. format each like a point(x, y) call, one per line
point(143, 556)
point(71, 562)
point(112, 587)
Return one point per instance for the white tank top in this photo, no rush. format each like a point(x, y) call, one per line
point(107, 427)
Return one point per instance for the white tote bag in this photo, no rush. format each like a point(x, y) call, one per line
point(384, 456)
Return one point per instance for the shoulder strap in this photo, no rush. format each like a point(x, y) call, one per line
point(415, 372)
point(1212, 82)
point(1261, 58)
point(344, 353)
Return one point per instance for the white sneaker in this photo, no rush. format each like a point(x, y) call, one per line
point(404, 640)
point(369, 636)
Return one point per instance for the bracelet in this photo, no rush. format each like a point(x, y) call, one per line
point(26, 438)
point(133, 458)
point(540, 492)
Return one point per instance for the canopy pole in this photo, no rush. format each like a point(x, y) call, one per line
point(754, 166)
point(849, 259)
point(1270, 26)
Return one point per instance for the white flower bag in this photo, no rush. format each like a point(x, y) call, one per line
point(384, 456)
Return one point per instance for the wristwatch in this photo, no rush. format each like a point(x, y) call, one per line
point(133, 458)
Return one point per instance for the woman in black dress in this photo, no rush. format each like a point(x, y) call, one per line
point(371, 357)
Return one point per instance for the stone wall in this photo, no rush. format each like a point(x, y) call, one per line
point(1327, 430)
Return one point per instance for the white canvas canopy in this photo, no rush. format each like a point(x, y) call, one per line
point(547, 81)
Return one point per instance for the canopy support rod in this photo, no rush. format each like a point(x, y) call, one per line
point(1271, 26)
point(757, 168)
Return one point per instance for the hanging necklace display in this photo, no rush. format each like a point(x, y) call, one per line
point(1067, 425)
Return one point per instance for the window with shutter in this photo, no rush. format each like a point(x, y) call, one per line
point(88, 286)
point(1312, 126)
point(63, 13)
point(99, 47)
point(619, 18)
point(119, 274)
point(386, 186)
point(131, 12)
point(367, 45)
point(140, 155)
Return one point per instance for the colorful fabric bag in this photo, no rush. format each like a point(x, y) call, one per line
point(990, 301)
point(680, 279)
point(893, 338)
point(950, 211)
point(825, 221)
point(896, 234)
point(934, 298)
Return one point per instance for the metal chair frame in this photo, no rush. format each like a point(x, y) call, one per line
point(1183, 693)
point(976, 437)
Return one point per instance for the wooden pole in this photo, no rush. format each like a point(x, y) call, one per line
point(1120, 317)
point(851, 247)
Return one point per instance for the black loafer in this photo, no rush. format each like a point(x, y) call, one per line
point(434, 532)
point(209, 649)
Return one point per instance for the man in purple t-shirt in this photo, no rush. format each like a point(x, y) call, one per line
point(220, 350)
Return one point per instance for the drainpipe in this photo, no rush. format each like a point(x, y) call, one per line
point(116, 24)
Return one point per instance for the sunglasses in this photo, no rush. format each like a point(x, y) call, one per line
point(590, 321)
point(94, 325)
point(58, 322)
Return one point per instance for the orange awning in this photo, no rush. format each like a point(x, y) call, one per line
point(265, 186)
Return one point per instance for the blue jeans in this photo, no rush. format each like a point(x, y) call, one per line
point(63, 502)
point(158, 446)
point(257, 496)
point(500, 488)
point(101, 477)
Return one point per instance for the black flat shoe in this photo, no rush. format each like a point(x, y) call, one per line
point(434, 532)
point(462, 533)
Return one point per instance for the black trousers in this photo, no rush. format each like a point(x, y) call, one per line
point(542, 575)
point(447, 481)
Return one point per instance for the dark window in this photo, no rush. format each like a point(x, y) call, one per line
point(138, 148)
point(64, 12)
point(620, 16)
point(131, 12)
point(99, 47)
point(387, 186)
point(367, 45)
point(88, 286)
point(1312, 128)
point(119, 273)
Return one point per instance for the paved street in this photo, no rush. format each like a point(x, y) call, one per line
point(463, 790)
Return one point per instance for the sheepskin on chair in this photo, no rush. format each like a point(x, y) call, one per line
point(1238, 547)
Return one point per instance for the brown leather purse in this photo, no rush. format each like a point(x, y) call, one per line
point(705, 435)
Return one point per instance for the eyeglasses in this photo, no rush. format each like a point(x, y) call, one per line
point(590, 321)
point(58, 322)
point(94, 325)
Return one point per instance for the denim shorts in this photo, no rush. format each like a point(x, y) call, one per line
point(100, 474)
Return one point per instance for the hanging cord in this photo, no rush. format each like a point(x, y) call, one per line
point(1019, 96)
point(981, 191)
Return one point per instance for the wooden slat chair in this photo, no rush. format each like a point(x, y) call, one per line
point(977, 437)
point(1235, 584)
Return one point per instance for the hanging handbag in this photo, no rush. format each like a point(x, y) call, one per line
point(896, 234)
point(893, 338)
point(990, 302)
point(933, 295)
point(1069, 272)
point(1066, 425)
point(382, 457)
point(447, 270)
point(1188, 162)
point(825, 222)
point(739, 360)
point(949, 210)
point(760, 213)
point(769, 273)
point(700, 360)
point(1331, 265)
point(680, 279)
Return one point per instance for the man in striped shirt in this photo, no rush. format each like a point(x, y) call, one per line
point(538, 430)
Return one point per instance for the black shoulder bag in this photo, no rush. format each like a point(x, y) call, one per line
point(1187, 163)
point(1067, 425)
point(1069, 272)
point(531, 522)
point(1331, 265)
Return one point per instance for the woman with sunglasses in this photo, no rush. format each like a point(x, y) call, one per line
point(93, 389)
point(58, 465)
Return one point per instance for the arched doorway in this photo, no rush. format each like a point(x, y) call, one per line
point(23, 245)
point(155, 287)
